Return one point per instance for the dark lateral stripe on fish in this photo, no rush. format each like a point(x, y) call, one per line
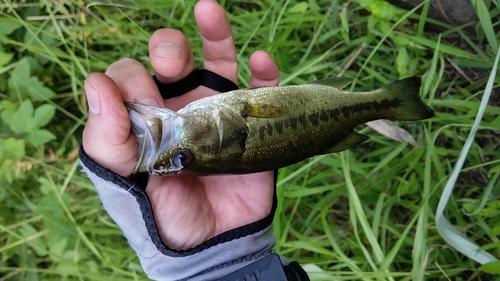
point(314, 118)
point(325, 116)
point(303, 120)
point(334, 114)
point(384, 104)
point(293, 122)
point(278, 126)
point(346, 111)
point(269, 128)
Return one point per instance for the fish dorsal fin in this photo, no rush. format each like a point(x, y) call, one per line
point(350, 141)
point(339, 83)
point(262, 110)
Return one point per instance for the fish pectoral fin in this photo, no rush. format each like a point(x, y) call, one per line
point(350, 141)
point(339, 83)
point(262, 110)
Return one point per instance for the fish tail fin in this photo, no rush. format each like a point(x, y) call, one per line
point(407, 91)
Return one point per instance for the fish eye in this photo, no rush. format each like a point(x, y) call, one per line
point(184, 156)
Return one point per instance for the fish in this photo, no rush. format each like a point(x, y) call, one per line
point(267, 128)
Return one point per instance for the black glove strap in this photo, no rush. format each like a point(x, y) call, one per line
point(294, 272)
point(268, 268)
point(199, 77)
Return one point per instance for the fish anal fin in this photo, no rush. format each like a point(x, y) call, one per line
point(262, 110)
point(348, 142)
point(339, 83)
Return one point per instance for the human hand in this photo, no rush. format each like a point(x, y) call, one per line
point(188, 210)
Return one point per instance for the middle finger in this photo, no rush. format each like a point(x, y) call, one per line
point(219, 51)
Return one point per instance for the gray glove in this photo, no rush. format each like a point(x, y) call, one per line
point(127, 202)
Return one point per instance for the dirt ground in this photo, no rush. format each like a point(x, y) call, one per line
point(454, 12)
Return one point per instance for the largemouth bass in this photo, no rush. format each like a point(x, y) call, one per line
point(262, 129)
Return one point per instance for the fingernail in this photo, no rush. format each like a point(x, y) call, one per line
point(92, 98)
point(167, 50)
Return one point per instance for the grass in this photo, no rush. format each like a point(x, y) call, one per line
point(364, 214)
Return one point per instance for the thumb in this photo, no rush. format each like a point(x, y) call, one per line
point(106, 137)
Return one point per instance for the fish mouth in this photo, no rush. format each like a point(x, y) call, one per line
point(157, 130)
point(173, 167)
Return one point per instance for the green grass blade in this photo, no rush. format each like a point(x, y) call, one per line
point(483, 14)
point(358, 210)
point(486, 195)
point(450, 234)
point(423, 18)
